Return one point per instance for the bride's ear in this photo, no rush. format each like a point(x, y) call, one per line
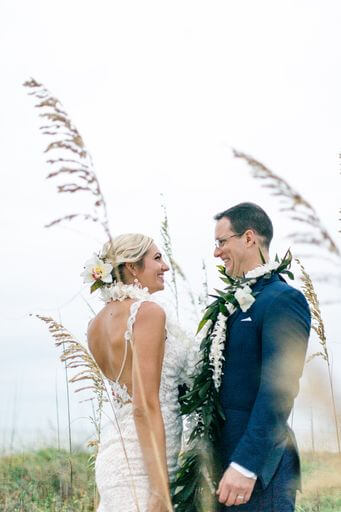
point(130, 267)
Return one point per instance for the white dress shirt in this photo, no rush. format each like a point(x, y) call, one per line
point(243, 470)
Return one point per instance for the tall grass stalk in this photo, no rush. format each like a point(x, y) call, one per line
point(318, 327)
point(292, 417)
point(176, 270)
point(312, 431)
point(68, 416)
point(57, 414)
point(167, 247)
point(203, 298)
point(14, 418)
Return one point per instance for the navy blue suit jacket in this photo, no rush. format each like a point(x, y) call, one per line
point(264, 359)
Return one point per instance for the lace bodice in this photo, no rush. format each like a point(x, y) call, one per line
point(176, 364)
point(119, 391)
point(120, 461)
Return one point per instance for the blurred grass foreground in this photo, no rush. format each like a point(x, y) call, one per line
point(49, 480)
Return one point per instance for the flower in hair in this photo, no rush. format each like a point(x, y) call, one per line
point(96, 270)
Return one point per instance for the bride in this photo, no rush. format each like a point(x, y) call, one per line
point(143, 360)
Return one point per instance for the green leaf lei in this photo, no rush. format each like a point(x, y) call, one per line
point(199, 473)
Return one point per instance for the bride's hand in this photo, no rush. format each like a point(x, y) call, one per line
point(159, 503)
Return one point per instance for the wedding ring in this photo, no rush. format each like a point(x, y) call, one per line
point(240, 498)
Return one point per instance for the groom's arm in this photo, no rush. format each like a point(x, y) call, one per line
point(285, 334)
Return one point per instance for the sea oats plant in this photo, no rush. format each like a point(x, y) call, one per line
point(167, 247)
point(203, 297)
point(292, 202)
point(318, 327)
point(76, 356)
point(176, 271)
point(70, 157)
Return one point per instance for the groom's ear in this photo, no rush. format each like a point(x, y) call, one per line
point(250, 237)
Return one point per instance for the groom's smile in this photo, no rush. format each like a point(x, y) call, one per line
point(241, 250)
point(229, 247)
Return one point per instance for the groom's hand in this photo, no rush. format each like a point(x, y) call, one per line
point(235, 488)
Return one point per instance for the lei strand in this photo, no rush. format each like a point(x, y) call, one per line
point(193, 489)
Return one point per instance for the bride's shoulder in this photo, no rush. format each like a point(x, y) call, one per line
point(150, 311)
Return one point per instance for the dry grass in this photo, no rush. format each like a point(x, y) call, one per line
point(318, 327)
point(76, 356)
point(292, 202)
point(71, 158)
point(38, 482)
point(321, 483)
point(317, 322)
point(176, 271)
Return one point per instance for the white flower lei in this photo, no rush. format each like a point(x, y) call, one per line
point(120, 291)
point(261, 270)
point(243, 294)
point(217, 348)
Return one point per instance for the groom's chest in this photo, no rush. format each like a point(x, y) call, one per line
point(243, 334)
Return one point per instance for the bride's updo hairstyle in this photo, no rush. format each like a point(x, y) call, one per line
point(126, 248)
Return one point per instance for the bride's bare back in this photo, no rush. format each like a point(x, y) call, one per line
point(107, 344)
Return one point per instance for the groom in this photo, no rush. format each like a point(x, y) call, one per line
point(264, 358)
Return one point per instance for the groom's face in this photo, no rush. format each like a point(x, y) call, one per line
point(230, 247)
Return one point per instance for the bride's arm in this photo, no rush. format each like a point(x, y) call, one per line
point(148, 351)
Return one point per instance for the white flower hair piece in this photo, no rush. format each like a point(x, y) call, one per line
point(97, 270)
point(217, 347)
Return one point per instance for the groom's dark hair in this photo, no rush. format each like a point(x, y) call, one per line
point(245, 216)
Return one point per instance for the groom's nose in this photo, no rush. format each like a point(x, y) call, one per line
point(217, 252)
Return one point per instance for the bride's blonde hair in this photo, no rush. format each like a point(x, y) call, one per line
point(126, 248)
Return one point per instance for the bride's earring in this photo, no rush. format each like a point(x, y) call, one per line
point(137, 283)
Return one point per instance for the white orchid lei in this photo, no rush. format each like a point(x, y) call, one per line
point(197, 469)
point(240, 289)
point(101, 275)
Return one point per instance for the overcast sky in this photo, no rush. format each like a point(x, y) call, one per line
point(160, 92)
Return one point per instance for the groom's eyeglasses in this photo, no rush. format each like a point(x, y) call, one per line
point(220, 242)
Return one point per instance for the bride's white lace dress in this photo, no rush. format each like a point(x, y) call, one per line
point(121, 477)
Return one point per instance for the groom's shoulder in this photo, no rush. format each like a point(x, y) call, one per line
point(279, 289)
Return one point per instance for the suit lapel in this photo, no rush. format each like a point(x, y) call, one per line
point(232, 319)
point(257, 287)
